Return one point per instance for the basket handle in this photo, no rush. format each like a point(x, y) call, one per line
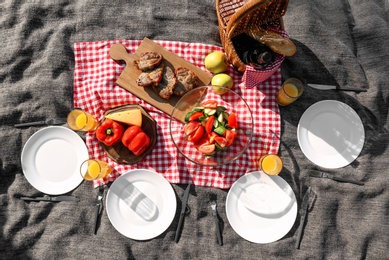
point(245, 10)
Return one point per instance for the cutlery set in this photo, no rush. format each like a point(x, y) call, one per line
point(212, 198)
point(185, 210)
point(305, 202)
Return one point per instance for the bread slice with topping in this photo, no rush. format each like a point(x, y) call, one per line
point(168, 83)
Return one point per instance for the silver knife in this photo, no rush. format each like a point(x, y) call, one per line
point(55, 121)
point(215, 215)
point(182, 214)
point(98, 207)
point(319, 174)
point(329, 87)
point(303, 215)
point(51, 198)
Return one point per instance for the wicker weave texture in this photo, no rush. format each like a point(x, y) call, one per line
point(239, 16)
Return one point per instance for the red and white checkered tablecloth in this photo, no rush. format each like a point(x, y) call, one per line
point(95, 91)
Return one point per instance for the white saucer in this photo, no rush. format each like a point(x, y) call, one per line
point(51, 160)
point(263, 223)
point(330, 134)
point(141, 204)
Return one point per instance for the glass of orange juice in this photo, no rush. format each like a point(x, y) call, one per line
point(79, 120)
point(270, 164)
point(290, 91)
point(93, 169)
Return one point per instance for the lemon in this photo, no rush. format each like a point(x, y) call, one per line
point(216, 62)
point(221, 80)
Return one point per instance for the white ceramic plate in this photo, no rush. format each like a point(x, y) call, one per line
point(330, 134)
point(267, 223)
point(51, 160)
point(141, 204)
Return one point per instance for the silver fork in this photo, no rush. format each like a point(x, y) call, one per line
point(215, 215)
point(54, 121)
point(99, 199)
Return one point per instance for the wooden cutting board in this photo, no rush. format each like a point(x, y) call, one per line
point(130, 74)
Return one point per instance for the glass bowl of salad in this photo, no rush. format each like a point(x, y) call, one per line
point(210, 129)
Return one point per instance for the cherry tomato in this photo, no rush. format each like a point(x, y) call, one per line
point(196, 135)
point(221, 141)
point(207, 149)
point(195, 116)
point(203, 140)
point(212, 136)
point(191, 127)
point(232, 120)
point(209, 124)
point(230, 136)
point(209, 104)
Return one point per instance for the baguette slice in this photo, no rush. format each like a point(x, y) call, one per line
point(275, 41)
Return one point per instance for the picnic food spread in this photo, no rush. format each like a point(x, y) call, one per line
point(200, 129)
point(128, 135)
point(208, 126)
point(331, 141)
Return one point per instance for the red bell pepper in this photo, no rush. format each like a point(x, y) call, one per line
point(109, 132)
point(136, 140)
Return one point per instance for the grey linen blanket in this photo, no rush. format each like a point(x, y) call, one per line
point(343, 42)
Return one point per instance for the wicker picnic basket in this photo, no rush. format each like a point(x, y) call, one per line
point(240, 16)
